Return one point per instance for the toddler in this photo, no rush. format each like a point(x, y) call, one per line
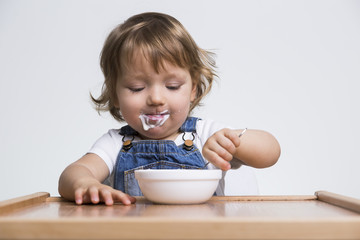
point(155, 75)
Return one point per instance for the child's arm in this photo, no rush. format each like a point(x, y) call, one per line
point(255, 148)
point(81, 182)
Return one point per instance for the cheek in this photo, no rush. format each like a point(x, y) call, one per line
point(128, 104)
point(129, 113)
point(181, 103)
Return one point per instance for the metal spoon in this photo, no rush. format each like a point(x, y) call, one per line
point(242, 133)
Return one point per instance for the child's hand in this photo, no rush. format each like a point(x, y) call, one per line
point(220, 148)
point(95, 192)
point(81, 182)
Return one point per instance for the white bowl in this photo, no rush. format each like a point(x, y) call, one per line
point(178, 186)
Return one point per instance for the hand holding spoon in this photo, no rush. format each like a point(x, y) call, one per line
point(242, 133)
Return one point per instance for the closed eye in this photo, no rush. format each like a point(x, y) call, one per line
point(136, 89)
point(175, 87)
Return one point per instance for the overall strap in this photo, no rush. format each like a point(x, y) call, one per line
point(127, 130)
point(189, 125)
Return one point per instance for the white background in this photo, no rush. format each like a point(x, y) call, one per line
point(289, 67)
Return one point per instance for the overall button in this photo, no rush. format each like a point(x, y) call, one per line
point(188, 145)
point(127, 145)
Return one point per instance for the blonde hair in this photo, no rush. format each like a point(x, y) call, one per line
point(161, 38)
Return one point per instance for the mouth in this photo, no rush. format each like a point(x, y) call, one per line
point(157, 116)
point(150, 120)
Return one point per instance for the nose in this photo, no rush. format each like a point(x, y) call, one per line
point(155, 97)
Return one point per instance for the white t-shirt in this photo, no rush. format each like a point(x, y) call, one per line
point(108, 146)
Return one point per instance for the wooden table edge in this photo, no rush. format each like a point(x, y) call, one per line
point(147, 228)
point(23, 201)
point(349, 203)
point(222, 228)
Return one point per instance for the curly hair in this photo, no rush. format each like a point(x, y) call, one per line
point(161, 38)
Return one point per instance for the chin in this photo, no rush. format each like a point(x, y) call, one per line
point(156, 133)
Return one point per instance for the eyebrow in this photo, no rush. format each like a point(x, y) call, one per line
point(140, 75)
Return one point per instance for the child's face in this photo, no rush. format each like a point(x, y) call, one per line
point(142, 91)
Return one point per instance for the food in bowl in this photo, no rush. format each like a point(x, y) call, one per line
point(178, 186)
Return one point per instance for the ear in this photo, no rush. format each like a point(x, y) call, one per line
point(116, 104)
point(113, 98)
point(193, 93)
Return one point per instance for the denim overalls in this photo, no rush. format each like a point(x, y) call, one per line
point(153, 154)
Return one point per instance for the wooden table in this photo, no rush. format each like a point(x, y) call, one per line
point(321, 216)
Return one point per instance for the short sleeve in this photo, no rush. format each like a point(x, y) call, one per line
point(107, 147)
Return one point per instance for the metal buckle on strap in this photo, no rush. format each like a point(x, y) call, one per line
point(188, 144)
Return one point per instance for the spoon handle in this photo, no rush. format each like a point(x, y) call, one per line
point(242, 133)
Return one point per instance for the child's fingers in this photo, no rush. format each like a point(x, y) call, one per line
point(78, 195)
point(106, 197)
point(123, 197)
point(94, 195)
point(132, 199)
point(233, 137)
point(213, 157)
point(221, 147)
point(225, 148)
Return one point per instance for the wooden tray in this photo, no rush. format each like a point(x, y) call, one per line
point(321, 216)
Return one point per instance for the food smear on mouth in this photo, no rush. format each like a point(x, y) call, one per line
point(152, 121)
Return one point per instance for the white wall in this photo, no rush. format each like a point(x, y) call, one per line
point(289, 67)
